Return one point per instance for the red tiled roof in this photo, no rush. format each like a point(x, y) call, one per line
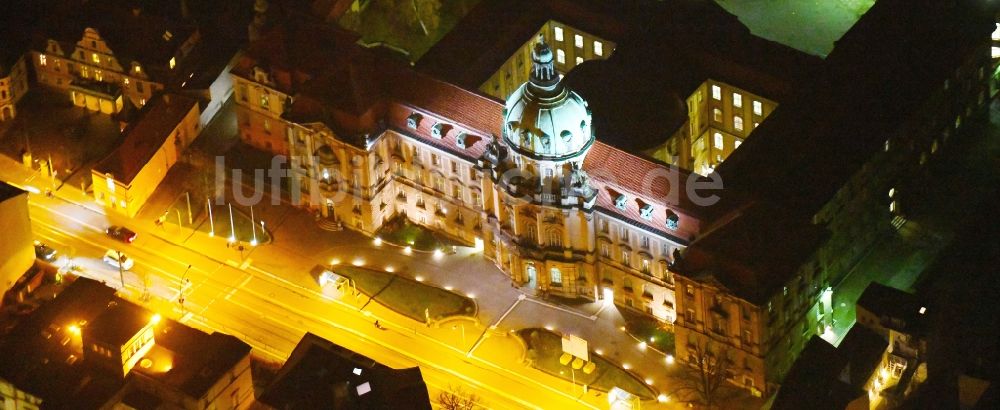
point(145, 136)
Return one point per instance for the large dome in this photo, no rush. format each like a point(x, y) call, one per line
point(543, 119)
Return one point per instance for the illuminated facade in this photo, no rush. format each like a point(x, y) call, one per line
point(118, 52)
point(153, 143)
point(563, 212)
point(16, 251)
point(720, 118)
point(13, 86)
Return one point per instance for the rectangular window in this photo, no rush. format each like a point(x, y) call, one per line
point(454, 167)
point(578, 40)
point(558, 31)
point(264, 100)
point(736, 144)
point(173, 62)
point(716, 93)
point(95, 58)
point(758, 108)
point(598, 48)
point(645, 242)
point(560, 56)
point(435, 161)
point(624, 234)
point(267, 125)
point(645, 266)
point(737, 100)
point(42, 60)
point(579, 60)
point(625, 258)
point(718, 140)
point(605, 250)
point(738, 123)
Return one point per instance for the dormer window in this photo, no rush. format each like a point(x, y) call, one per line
point(413, 121)
point(646, 211)
point(620, 201)
point(672, 220)
point(460, 140)
point(259, 75)
point(138, 69)
point(438, 130)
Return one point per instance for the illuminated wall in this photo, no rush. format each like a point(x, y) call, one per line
point(17, 252)
point(13, 86)
point(570, 47)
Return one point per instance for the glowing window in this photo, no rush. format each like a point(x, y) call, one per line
point(716, 92)
point(579, 60)
point(598, 48)
point(995, 52)
point(718, 140)
point(42, 60)
point(95, 58)
point(737, 100)
point(556, 276)
point(996, 32)
point(758, 108)
point(173, 62)
point(736, 144)
point(716, 115)
point(560, 56)
point(558, 33)
point(738, 123)
point(138, 69)
point(578, 40)
point(892, 192)
point(125, 81)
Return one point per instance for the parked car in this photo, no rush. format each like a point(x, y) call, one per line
point(121, 233)
point(44, 252)
point(111, 257)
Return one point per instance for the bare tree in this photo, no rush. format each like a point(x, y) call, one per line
point(455, 398)
point(703, 380)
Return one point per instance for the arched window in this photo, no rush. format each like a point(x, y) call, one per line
point(553, 238)
point(738, 123)
point(716, 115)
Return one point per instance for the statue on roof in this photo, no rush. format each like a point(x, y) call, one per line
point(495, 152)
point(579, 181)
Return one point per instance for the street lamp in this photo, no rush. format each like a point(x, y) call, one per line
point(253, 227)
point(211, 220)
point(232, 225)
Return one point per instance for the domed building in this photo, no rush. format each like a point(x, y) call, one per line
point(545, 226)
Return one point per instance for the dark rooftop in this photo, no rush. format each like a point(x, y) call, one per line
point(8, 191)
point(828, 378)
point(33, 358)
point(144, 137)
point(118, 323)
point(881, 67)
point(738, 257)
point(322, 375)
point(899, 310)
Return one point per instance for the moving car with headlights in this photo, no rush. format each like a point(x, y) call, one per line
point(44, 252)
point(114, 258)
point(121, 233)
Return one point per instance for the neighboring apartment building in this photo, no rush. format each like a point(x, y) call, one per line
point(13, 84)
point(152, 144)
point(548, 181)
point(88, 348)
point(321, 374)
point(16, 251)
point(97, 51)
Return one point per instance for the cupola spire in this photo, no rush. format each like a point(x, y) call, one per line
point(544, 77)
